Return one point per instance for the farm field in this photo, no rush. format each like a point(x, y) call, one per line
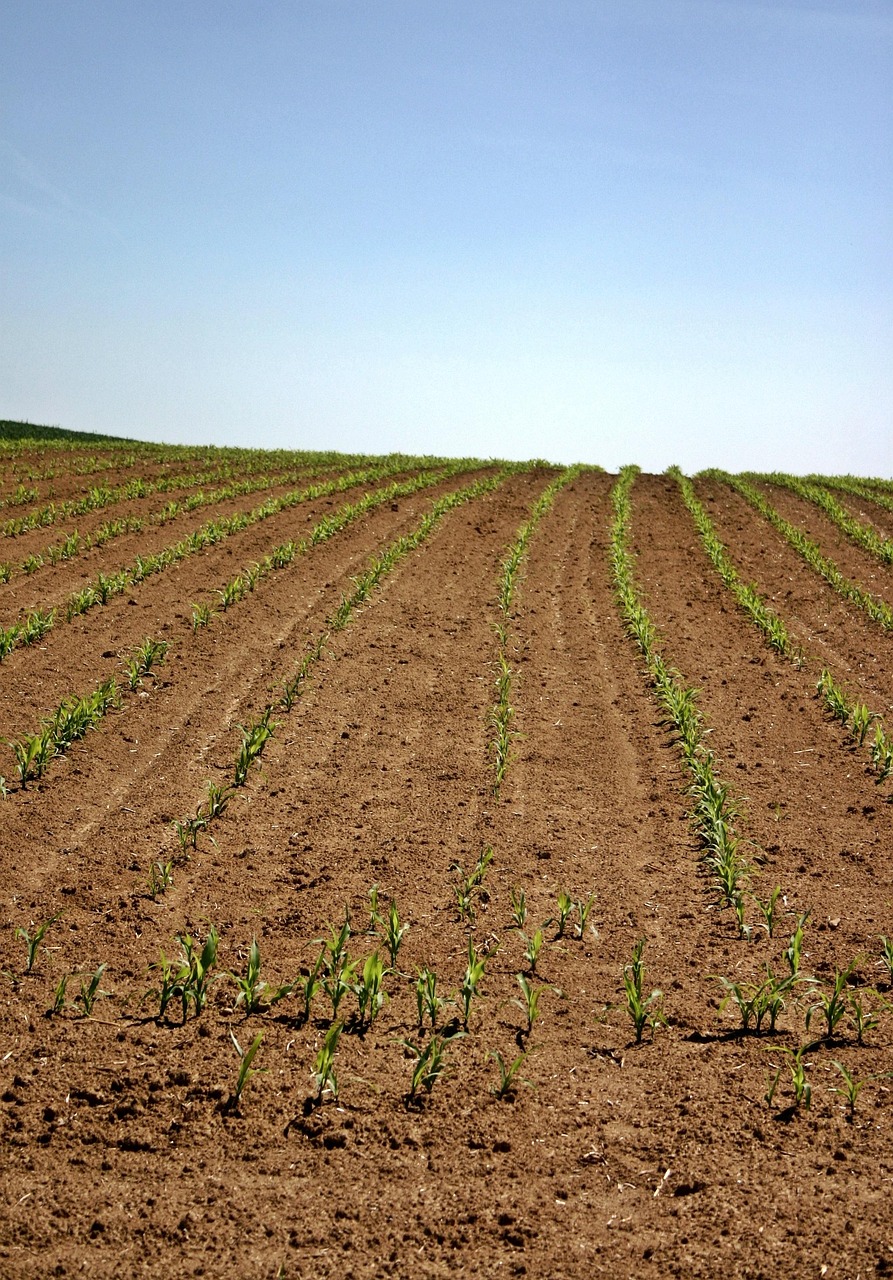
point(557, 804)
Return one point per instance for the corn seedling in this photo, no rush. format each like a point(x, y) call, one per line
point(201, 615)
point(509, 1074)
point(797, 1067)
point(887, 957)
point(394, 932)
point(145, 657)
point(519, 907)
point(530, 999)
point(251, 987)
point(565, 907)
point(532, 949)
point(161, 877)
point(369, 990)
point(430, 1063)
point(794, 948)
point(768, 910)
point(33, 940)
point(644, 1011)
point(852, 1087)
point(323, 1074)
point(376, 919)
point(882, 754)
point(584, 910)
point(187, 830)
point(470, 886)
point(58, 1005)
point(190, 980)
point(861, 1018)
point(254, 739)
point(310, 983)
point(471, 980)
point(831, 1005)
point(218, 799)
point(90, 992)
point(757, 1002)
point(246, 1070)
point(428, 1002)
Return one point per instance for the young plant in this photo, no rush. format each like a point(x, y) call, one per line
point(565, 907)
point(794, 948)
point(33, 940)
point(251, 987)
point(509, 1075)
point(161, 877)
point(430, 1063)
point(887, 957)
point(246, 1071)
point(530, 999)
point(861, 1018)
point(768, 910)
point(145, 657)
point(584, 910)
point(394, 932)
point(645, 1011)
point(534, 946)
point(201, 615)
point(797, 1067)
point(369, 990)
point(90, 991)
point(59, 993)
point(832, 1005)
point(323, 1074)
point(254, 739)
point(759, 1001)
point(471, 980)
point(519, 908)
point(428, 1002)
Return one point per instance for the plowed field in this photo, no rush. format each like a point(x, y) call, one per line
point(129, 1148)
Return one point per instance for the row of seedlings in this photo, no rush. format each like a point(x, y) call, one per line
point(862, 534)
point(855, 716)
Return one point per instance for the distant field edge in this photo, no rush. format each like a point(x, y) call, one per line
point(35, 431)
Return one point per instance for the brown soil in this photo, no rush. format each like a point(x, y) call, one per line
point(125, 1151)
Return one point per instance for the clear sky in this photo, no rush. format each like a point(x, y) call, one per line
point(601, 230)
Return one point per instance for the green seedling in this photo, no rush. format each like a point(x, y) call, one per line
point(201, 615)
point(376, 919)
point(768, 910)
point(430, 1063)
point(90, 991)
point(744, 929)
point(33, 754)
point(509, 1075)
point(471, 980)
point(394, 932)
point(33, 940)
point(644, 1011)
point(882, 754)
point(860, 721)
point(832, 1005)
point(254, 739)
point(584, 910)
point(797, 1067)
point(246, 1071)
point(428, 1002)
point(565, 907)
point(887, 957)
point(187, 830)
point(161, 877)
point(861, 1018)
point(190, 980)
point(519, 907)
point(534, 946)
point(218, 798)
point(58, 1005)
point(251, 987)
point(852, 1087)
point(307, 985)
point(323, 1074)
point(530, 999)
point(369, 990)
point(758, 1002)
point(146, 656)
point(794, 948)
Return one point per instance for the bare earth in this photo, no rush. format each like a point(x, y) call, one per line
point(125, 1152)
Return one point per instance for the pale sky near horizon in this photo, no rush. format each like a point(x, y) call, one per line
point(646, 231)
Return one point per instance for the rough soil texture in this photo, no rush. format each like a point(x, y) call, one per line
point(125, 1150)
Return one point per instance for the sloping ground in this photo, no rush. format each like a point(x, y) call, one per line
point(126, 1151)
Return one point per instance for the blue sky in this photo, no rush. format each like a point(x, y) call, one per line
point(623, 230)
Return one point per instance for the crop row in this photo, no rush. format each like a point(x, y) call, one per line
point(854, 716)
point(862, 534)
point(876, 609)
point(106, 586)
